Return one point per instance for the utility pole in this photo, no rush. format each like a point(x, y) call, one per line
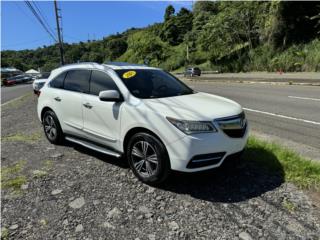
point(59, 33)
point(188, 52)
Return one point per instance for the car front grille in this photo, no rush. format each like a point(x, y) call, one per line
point(234, 127)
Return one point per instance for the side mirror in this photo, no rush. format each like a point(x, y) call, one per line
point(110, 96)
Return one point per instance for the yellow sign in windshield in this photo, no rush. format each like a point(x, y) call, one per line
point(129, 74)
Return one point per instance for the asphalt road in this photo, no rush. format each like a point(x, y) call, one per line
point(286, 111)
point(10, 93)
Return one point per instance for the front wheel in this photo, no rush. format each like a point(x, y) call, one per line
point(148, 158)
point(52, 128)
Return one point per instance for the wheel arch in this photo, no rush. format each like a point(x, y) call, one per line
point(45, 109)
point(135, 130)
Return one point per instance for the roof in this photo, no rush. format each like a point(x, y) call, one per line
point(32, 71)
point(125, 65)
point(109, 65)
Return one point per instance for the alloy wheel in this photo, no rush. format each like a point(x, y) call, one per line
point(50, 127)
point(144, 158)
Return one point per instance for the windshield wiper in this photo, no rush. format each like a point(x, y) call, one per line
point(186, 92)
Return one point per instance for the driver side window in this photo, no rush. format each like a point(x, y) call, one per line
point(101, 81)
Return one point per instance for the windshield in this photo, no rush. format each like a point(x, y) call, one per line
point(152, 83)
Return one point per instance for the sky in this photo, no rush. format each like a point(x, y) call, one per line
point(81, 20)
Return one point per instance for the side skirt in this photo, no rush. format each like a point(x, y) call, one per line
point(93, 146)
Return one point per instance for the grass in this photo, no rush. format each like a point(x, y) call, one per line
point(302, 172)
point(11, 176)
point(17, 102)
point(47, 164)
point(14, 183)
point(20, 137)
point(4, 233)
point(39, 173)
point(288, 205)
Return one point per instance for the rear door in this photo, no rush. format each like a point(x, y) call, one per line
point(53, 93)
point(101, 119)
point(76, 83)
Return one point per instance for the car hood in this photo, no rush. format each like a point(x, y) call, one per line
point(198, 106)
point(40, 80)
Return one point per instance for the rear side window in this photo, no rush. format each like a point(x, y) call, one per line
point(77, 80)
point(57, 82)
point(101, 81)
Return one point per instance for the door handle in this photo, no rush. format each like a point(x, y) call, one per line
point(57, 99)
point(87, 105)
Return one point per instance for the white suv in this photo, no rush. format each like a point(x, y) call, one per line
point(143, 113)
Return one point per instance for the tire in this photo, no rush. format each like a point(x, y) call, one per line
point(52, 128)
point(144, 152)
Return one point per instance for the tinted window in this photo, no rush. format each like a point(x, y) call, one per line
point(77, 80)
point(58, 81)
point(149, 83)
point(100, 81)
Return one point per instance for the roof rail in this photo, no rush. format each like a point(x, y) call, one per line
point(122, 64)
point(79, 63)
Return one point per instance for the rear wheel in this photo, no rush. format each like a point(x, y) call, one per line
point(148, 158)
point(52, 128)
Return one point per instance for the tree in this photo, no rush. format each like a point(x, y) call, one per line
point(205, 6)
point(294, 23)
point(169, 13)
point(115, 46)
point(176, 27)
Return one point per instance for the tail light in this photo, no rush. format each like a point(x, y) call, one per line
point(10, 82)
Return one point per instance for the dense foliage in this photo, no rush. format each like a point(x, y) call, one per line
point(225, 36)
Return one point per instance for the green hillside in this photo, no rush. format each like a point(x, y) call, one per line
point(224, 36)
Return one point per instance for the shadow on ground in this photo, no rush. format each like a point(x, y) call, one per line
point(103, 157)
point(258, 171)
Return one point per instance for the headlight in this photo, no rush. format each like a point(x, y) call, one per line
point(191, 127)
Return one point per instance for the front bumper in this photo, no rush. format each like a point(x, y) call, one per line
point(214, 146)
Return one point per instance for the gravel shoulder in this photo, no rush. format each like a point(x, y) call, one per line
point(70, 192)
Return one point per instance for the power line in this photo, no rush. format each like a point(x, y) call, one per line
point(24, 13)
point(45, 20)
point(39, 19)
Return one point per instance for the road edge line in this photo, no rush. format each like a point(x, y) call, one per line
point(15, 99)
point(281, 116)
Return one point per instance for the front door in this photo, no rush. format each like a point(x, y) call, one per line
point(101, 119)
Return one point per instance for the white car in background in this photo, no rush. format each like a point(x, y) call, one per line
point(144, 114)
point(39, 82)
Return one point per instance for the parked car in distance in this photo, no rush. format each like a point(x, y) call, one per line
point(192, 71)
point(144, 114)
point(39, 82)
point(17, 79)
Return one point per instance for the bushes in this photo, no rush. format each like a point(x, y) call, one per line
point(225, 36)
point(302, 57)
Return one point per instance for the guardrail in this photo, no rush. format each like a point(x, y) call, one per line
point(202, 72)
